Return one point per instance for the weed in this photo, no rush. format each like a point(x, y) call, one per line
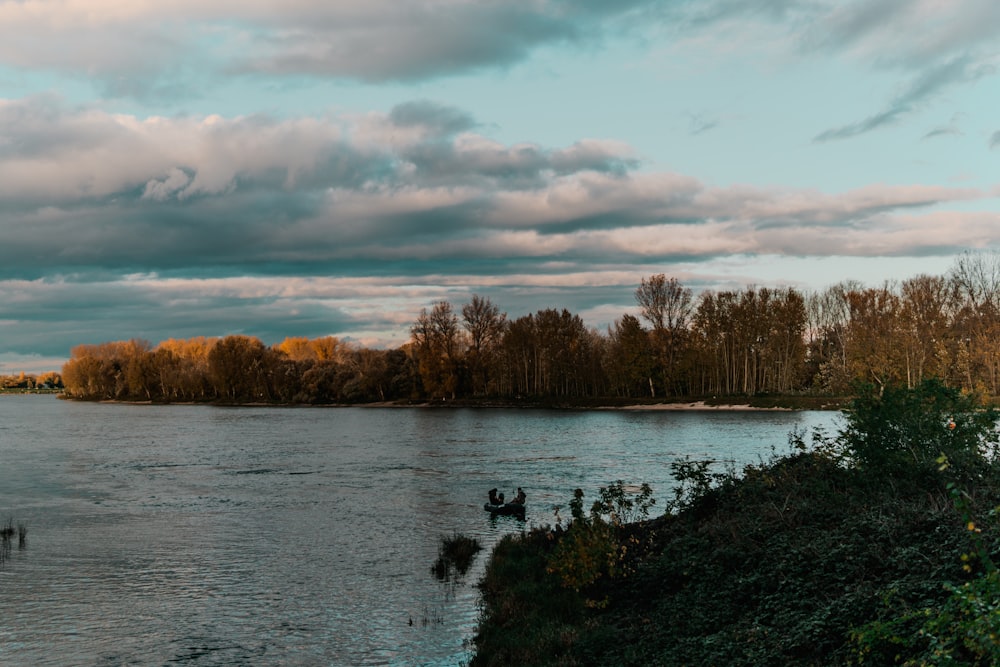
point(458, 552)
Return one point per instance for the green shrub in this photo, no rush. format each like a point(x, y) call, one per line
point(595, 547)
point(893, 428)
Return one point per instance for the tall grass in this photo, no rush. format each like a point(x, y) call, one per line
point(458, 552)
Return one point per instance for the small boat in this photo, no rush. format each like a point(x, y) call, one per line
point(507, 509)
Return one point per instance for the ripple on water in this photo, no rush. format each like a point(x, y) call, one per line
point(194, 535)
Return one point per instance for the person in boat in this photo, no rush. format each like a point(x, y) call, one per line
point(500, 500)
point(493, 498)
point(520, 497)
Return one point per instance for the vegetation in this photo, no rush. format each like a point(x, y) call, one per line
point(29, 383)
point(456, 552)
point(753, 343)
point(873, 546)
point(7, 532)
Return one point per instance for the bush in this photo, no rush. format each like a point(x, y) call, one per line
point(894, 429)
point(875, 547)
point(594, 547)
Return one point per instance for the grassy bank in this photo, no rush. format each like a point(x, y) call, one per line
point(844, 554)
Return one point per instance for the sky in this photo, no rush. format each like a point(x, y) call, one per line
point(331, 167)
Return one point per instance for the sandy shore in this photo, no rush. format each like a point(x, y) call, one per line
point(696, 405)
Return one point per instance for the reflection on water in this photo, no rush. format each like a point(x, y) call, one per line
point(211, 536)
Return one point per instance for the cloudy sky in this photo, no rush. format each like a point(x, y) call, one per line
point(330, 167)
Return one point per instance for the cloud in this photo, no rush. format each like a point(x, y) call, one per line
point(440, 119)
point(937, 45)
point(146, 49)
point(699, 123)
point(951, 129)
point(906, 34)
point(922, 89)
point(259, 195)
point(118, 226)
point(930, 46)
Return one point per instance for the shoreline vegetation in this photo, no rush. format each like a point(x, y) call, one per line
point(744, 346)
point(876, 545)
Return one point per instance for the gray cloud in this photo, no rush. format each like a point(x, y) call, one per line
point(931, 46)
point(920, 90)
point(348, 225)
point(442, 120)
point(904, 34)
point(257, 196)
point(951, 129)
point(155, 51)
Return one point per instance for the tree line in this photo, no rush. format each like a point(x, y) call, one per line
point(741, 342)
point(29, 381)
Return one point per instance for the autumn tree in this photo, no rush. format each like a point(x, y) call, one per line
point(874, 354)
point(328, 348)
point(749, 341)
point(239, 367)
point(927, 311)
point(667, 306)
point(976, 280)
point(827, 316)
point(117, 370)
point(182, 368)
point(485, 325)
point(298, 348)
point(437, 345)
point(552, 353)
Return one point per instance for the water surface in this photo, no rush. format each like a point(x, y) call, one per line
point(296, 536)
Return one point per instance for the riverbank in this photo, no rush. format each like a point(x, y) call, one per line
point(877, 546)
point(791, 402)
point(801, 563)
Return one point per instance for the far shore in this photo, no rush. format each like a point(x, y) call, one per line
point(696, 405)
point(734, 404)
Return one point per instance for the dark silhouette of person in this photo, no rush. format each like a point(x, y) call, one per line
point(500, 500)
point(520, 497)
point(493, 498)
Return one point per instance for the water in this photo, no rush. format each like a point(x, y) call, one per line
point(266, 536)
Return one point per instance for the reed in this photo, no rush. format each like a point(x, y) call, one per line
point(7, 529)
point(458, 552)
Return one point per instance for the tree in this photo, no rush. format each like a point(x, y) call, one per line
point(485, 325)
point(926, 313)
point(239, 368)
point(632, 359)
point(297, 348)
point(828, 314)
point(874, 335)
point(436, 336)
point(667, 305)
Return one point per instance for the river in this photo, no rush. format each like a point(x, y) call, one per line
point(201, 535)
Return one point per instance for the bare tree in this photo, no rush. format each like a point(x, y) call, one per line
point(485, 325)
point(667, 306)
